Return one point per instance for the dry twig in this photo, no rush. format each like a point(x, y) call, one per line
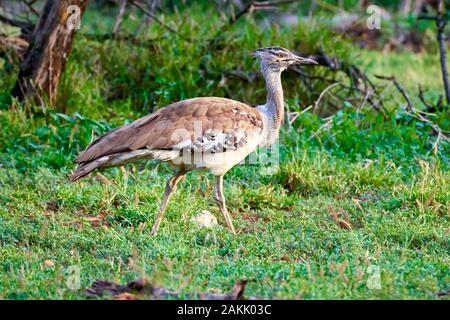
point(417, 114)
point(119, 17)
point(441, 22)
point(316, 105)
point(142, 289)
point(149, 13)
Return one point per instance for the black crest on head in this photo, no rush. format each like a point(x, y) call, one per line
point(274, 50)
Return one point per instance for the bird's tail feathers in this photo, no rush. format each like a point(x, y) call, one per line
point(87, 167)
point(118, 159)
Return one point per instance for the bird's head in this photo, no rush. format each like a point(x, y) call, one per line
point(278, 58)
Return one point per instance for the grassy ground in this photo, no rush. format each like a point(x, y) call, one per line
point(367, 194)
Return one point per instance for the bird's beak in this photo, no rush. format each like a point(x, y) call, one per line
point(301, 60)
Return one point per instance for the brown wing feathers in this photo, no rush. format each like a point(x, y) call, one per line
point(117, 140)
point(161, 129)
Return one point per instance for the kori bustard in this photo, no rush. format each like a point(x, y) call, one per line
point(200, 133)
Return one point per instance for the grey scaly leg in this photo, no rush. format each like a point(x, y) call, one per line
point(170, 188)
point(220, 199)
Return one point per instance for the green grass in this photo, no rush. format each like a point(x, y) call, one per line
point(367, 192)
point(287, 243)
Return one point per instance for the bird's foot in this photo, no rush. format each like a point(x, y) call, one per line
point(231, 227)
point(155, 228)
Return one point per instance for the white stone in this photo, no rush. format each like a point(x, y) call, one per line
point(205, 219)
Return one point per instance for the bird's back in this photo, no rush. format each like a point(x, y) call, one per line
point(207, 124)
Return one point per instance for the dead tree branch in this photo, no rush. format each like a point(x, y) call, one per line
point(131, 38)
point(29, 5)
point(150, 14)
point(26, 28)
point(152, 4)
point(258, 5)
point(441, 22)
point(429, 106)
point(400, 89)
point(16, 44)
point(360, 82)
point(413, 112)
point(316, 105)
point(249, 8)
point(119, 17)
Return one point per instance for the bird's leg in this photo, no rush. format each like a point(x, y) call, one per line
point(220, 199)
point(170, 188)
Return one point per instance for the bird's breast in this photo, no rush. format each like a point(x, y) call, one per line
point(218, 155)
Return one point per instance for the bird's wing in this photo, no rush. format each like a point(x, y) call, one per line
point(199, 124)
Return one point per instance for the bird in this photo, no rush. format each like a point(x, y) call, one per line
point(203, 133)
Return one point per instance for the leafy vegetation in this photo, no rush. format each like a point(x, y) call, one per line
point(352, 192)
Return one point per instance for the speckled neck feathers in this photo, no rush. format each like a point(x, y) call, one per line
point(274, 107)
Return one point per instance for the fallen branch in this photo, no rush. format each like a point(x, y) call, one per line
point(301, 72)
point(120, 37)
point(402, 91)
point(413, 112)
point(361, 84)
point(441, 22)
point(323, 93)
point(258, 5)
point(29, 5)
point(325, 126)
point(119, 17)
point(360, 81)
point(429, 106)
point(340, 217)
point(249, 8)
point(17, 44)
point(142, 289)
point(146, 19)
point(150, 14)
point(26, 28)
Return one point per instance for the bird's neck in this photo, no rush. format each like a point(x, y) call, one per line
point(275, 102)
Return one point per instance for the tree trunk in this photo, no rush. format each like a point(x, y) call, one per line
point(45, 60)
point(442, 39)
point(405, 7)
